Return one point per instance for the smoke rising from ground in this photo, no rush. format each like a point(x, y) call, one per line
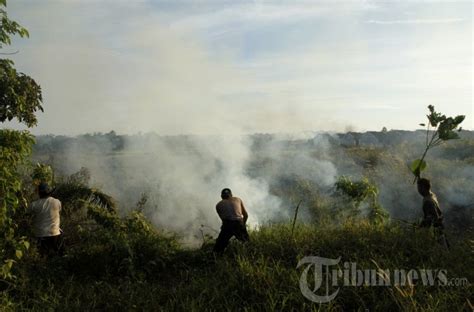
point(186, 69)
point(182, 176)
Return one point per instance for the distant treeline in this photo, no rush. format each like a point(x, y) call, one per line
point(118, 142)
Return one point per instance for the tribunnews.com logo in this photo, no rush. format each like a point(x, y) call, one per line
point(322, 278)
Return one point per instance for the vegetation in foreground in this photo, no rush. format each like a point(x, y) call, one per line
point(125, 264)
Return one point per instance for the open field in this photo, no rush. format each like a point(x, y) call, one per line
point(121, 257)
point(142, 270)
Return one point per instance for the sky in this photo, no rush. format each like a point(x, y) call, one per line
point(213, 67)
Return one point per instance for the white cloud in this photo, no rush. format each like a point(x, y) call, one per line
point(130, 66)
point(418, 21)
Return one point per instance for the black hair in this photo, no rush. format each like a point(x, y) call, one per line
point(425, 183)
point(226, 193)
point(44, 190)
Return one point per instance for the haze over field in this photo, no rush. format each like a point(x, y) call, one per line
point(210, 67)
point(183, 175)
point(220, 70)
point(320, 115)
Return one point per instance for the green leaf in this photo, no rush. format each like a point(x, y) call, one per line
point(433, 120)
point(423, 125)
point(9, 263)
point(459, 119)
point(18, 254)
point(418, 166)
point(448, 135)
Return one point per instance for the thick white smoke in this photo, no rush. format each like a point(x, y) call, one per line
point(182, 177)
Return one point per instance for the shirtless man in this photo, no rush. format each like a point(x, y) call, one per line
point(432, 215)
point(232, 212)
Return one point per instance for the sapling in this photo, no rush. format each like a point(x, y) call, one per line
point(296, 216)
point(360, 191)
point(441, 129)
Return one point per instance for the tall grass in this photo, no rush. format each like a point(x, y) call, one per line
point(127, 265)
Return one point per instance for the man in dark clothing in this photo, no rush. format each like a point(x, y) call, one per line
point(431, 211)
point(232, 212)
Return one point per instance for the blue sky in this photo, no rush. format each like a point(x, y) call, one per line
point(252, 66)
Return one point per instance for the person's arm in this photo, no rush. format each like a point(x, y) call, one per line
point(31, 210)
point(244, 211)
point(218, 210)
point(27, 222)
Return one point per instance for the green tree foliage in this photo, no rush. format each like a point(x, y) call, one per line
point(20, 95)
point(441, 129)
point(362, 191)
point(8, 27)
point(71, 193)
point(43, 173)
point(15, 148)
point(20, 98)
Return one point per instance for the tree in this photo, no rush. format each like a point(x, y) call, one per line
point(362, 191)
point(20, 95)
point(20, 98)
point(9, 27)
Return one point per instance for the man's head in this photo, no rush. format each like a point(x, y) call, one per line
point(226, 193)
point(44, 190)
point(424, 186)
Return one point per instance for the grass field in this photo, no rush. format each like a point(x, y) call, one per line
point(127, 265)
point(117, 260)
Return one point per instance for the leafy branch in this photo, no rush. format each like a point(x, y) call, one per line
point(8, 27)
point(20, 98)
point(442, 129)
point(360, 191)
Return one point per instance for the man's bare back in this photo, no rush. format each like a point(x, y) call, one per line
point(232, 212)
point(231, 208)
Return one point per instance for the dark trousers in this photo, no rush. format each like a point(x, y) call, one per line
point(231, 228)
point(439, 234)
point(51, 245)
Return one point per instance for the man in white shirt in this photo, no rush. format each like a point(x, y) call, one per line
point(232, 212)
point(46, 221)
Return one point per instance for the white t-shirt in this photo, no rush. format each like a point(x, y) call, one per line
point(46, 216)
